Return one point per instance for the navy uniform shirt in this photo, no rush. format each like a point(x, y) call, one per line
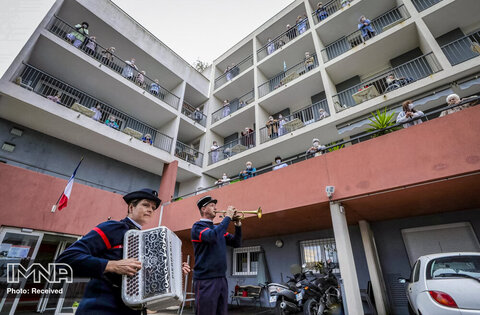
point(88, 258)
point(210, 247)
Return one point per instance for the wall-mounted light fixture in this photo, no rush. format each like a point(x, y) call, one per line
point(279, 243)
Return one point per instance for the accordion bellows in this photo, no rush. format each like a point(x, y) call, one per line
point(158, 284)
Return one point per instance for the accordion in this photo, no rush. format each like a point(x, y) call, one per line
point(158, 284)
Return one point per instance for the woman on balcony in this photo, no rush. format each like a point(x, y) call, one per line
point(309, 62)
point(272, 127)
point(301, 24)
point(281, 125)
point(78, 37)
point(247, 138)
point(364, 25)
point(270, 47)
point(321, 12)
point(128, 69)
point(408, 113)
point(214, 152)
point(107, 55)
point(91, 46)
point(226, 108)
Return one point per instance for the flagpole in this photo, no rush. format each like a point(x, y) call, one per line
point(56, 203)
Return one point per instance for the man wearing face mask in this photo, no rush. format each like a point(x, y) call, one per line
point(279, 164)
point(223, 181)
point(316, 148)
point(248, 172)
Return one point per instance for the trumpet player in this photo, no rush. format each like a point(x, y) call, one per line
point(210, 248)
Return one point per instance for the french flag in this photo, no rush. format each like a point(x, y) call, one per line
point(62, 203)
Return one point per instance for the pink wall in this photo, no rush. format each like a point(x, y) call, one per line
point(436, 149)
point(26, 198)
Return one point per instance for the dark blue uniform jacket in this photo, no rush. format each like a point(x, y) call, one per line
point(88, 258)
point(210, 248)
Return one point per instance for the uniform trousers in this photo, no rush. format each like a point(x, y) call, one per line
point(211, 296)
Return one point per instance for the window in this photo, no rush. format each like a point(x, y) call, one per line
point(245, 261)
point(321, 250)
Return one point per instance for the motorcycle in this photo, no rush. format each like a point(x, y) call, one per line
point(323, 294)
point(286, 296)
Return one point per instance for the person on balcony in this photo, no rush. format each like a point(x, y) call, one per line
point(344, 3)
point(111, 122)
point(395, 83)
point(140, 79)
point(223, 181)
point(55, 98)
point(214, 152)
point(364, 25)
point(91, 46)
point(226, 108)
point(129, 68)
point(309, 62)
point(78, 36)
point(321, 12)
point(301, 24)
point(97, 112)
point(281, 125)
point(291, 32)
point(272, 127)
point(408, 113)
point(270, 47)
point(197, 115)
point(241, 104)
point(279, 164)
point(322, 114)
point(228, 73)
point(316, 148)
point(155, 87)
point(454, 99)
point(147, 138)
point(248, 138)
point(107, 55)
point(249, 171)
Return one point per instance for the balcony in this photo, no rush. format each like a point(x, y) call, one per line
point(281, 40)
point(421, 5)
point(188, 154)
point(233, 106)
point(194, 114)
point(233, 71)
point(296, 120)
point(328, 9)
point(380, 24)
point(404, 75)
point(232, 148)
point(288, 75)
point(463, 49)
point(60, 28)
point(46, 85)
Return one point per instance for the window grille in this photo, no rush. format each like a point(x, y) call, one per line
point(246, 260)
point(321, 250)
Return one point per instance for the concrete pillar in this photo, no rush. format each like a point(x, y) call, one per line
point(374, 268)
point(345, 259)
point(167, 184)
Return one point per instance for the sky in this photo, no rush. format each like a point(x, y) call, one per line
point(202, 29)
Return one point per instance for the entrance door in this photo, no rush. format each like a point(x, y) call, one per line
point(16, 246)
point(456, 237)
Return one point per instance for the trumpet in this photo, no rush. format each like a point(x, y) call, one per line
point(258, 212)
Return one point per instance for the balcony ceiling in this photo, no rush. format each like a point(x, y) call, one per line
point(375, 55)
point(240, 85)
point(193, 96)
point(345, 21)
point(460, 13)
point(53, 55)
point(235, 122)
point(189, 129)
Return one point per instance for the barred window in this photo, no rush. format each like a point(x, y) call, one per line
point(321, 250)
point(245, 261)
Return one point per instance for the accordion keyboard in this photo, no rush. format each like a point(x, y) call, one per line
point(133, 252)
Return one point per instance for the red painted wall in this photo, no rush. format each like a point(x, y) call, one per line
point(436, 149)
point(26, 198)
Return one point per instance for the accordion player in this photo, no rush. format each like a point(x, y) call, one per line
point(158, 284)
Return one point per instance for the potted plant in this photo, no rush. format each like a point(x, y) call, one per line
point(74, 306)
point(380, 121)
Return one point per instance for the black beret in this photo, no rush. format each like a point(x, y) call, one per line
point(145, 193)
point(205, 201)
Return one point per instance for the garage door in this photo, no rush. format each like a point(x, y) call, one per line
point(456, 237)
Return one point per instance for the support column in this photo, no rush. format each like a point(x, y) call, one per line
point(167, 185)
point(345, 259)
point(374, 268)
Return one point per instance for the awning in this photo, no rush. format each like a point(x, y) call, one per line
point(468, 84)
point(363, 123)
point(433, 97)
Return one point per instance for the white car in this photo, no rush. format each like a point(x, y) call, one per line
point(447, 283)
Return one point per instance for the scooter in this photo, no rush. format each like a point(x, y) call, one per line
point(325, 295)
point(287, 298)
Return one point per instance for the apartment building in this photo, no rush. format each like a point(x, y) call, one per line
point(391, 193)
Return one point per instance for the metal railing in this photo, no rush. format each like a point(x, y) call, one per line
point(282, 39)
point(421, 5)
point(403, 75)
point(294, 121)
point(379, 24)
point(233, 71)
point(328, 9)
point(288, 75)
point(232, 148)
point(336, 145)
point(191, 112)
point(61, 29)
point(48, 86)
point(463, 49)
point(233, 106)
point(189, 154)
